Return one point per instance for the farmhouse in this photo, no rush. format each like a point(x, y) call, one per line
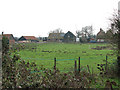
point(56, 37)
point(69, 37)
point(101, 36)
point(25, 39)
point(10, 38)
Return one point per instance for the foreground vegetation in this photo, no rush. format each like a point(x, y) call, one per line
point(21, 69)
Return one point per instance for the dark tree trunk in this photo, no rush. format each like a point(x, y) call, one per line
point(119, 42)
point(118, 61)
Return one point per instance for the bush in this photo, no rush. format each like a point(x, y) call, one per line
point(16, 72)
point(5, 45)
point(109, 70)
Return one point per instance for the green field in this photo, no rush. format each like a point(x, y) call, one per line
point(66, 54)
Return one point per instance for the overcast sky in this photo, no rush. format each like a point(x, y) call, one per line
point(38, 17)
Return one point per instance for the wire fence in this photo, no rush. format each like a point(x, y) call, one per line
point(71, 59)
point(89, 58)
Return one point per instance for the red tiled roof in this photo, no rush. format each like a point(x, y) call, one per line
point(10, 37)
point(7, 35)
point(30, 37)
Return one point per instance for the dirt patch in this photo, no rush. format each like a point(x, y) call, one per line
point(101, 47)
point(46, 51)
point(83, 51)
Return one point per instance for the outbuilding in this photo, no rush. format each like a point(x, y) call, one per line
point(69, 37)
point(27, 39)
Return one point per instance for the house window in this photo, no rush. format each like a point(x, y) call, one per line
point(68, 36)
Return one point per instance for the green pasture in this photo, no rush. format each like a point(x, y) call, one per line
point(66, 54)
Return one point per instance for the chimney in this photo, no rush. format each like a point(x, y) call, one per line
point(101, 29)
point(2, 33)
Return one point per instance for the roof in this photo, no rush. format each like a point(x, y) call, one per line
point(30, 37)
point(56, 35)
point(8, 35)
point(70, 33)
point(101, 34)
point(109, 32)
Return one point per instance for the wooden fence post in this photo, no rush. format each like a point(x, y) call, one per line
point(75, 67)
point(54, 63)
point(88, 68)
point(79, 64)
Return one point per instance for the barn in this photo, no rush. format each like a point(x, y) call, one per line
point(69, 37)
point(27, 39)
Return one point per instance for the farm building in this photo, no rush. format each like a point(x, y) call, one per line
point(10, 38)
point(101, 36)
point(69, 37)
point(56, 37)
point(27, 39)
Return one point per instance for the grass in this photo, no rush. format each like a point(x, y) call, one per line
point(66, 54)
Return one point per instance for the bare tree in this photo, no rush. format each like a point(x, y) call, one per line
point(86, 32)
point(58, 30)
point(78, 33)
